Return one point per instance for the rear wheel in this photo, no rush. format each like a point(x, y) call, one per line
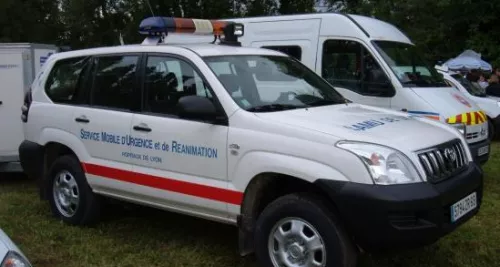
point(299, 230)
point(71, 198)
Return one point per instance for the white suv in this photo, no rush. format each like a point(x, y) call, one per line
point(249, 137)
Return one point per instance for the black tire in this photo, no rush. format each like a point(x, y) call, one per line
point(491, 130)
point(339, 248)
point(87, 212)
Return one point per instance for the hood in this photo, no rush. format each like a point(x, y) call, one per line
point(446, 101)
point(365, 123)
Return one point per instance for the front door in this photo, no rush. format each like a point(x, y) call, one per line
point(182, 163)
point(351, 68)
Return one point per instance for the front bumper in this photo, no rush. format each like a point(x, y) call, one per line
point(476, 148)
point(403, 216)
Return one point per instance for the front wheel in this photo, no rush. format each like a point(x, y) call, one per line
point(299, 230)
point(491, 130)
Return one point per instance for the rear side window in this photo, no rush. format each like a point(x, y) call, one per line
point(64, 82)
point(114, 81)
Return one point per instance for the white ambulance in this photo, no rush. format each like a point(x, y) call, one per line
point(245, 136)
point(489, 104)
point(370, 62)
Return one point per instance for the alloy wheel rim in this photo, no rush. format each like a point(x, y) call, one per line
point(293, 242)
point(66, 193)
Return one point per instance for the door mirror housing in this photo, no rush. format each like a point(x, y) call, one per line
point(199, 108)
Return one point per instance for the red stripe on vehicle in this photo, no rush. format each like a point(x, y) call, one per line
point(168, 184)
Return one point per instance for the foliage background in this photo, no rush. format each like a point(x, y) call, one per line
point(442, 28)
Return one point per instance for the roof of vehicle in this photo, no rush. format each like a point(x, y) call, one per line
point(200, 49)
point(374, 28)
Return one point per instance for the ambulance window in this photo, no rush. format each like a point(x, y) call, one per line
point(291, 50)
point(114, 81)
point(349, 65)
point(167, 79)
point(64, 81)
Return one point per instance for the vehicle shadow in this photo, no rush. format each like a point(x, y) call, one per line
point(8, 180)
point(168, 229)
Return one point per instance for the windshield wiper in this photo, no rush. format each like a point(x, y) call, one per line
point(325, 102)
point(273, 107)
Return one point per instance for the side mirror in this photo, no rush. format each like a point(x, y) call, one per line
point(198, 108)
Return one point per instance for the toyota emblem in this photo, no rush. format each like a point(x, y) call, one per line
point(450, 154)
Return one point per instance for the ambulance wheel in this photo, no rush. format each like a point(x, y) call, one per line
point(71, 198)
point(299, 230)
point(491, 130)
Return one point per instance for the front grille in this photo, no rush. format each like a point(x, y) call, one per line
point(443, 161)
point(472, 135)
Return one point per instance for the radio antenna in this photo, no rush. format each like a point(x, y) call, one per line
point(150, 8)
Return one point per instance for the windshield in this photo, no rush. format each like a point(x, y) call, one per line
point(408, 65)
point(469, 86)
point(261, 83)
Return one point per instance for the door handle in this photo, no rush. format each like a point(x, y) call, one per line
point(1, 102)
point(82, 119)
point(142, 128)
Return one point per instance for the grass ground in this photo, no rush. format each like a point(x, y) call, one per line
point(136, 236)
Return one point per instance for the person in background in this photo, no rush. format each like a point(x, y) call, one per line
point(473, 77)
point(493, 88)
point(483, 82)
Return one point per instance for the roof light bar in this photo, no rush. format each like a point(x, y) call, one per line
point(157, 26)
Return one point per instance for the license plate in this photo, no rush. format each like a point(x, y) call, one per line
point(483, 150)
point(462, 207)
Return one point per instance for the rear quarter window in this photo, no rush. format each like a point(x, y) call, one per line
point(65, 78)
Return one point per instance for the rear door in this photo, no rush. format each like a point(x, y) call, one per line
point(103, 124)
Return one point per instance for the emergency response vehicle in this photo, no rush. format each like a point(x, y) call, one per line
point(489, 104)
point(370, 62)
point(245, 136)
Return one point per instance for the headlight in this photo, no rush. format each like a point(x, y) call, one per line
point(13, 259)
point(386, 166)
point(459, 127)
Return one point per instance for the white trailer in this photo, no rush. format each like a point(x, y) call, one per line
point(19, 63)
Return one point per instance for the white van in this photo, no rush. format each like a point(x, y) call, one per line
point(370, 62)
point(19, 62)
point(490, 104)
